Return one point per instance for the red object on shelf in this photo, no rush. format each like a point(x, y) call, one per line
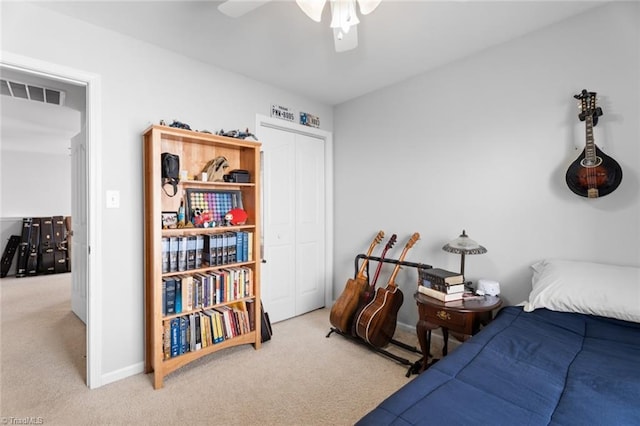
point(238, 216)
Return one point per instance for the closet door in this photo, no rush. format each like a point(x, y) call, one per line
point(309, 224)
point(293, 275)
point(278, 271)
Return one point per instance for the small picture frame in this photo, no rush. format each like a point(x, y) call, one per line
point(169, 220)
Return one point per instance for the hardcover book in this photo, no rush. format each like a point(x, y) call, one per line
point(175, 337)
point(178, 297)
point(443, 297)
point(165, 255)
point(443, 276)
point(209, 253)
point(199, 250)
point(444, 287)
point(249, 246)
point(170, 298)
point(173, 254)
point(187, 293)
point(240, 246)
point(182, 253)
point(166, 339)
point(219, 256)
point(191, 252)
point(184, 326)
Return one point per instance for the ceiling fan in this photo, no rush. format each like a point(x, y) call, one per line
point(344, 19)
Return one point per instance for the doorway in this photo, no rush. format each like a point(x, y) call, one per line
point(84, 170)
point(297, 218)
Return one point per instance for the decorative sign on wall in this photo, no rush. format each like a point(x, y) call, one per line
point(307, 119)
point(282, 113)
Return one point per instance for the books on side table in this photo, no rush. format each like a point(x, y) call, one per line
point(442, 276)
point(441, 296)
point(441, 284)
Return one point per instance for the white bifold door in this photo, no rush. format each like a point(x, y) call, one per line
point(293, 272)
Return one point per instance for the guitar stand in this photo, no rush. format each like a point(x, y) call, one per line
point(414, 367)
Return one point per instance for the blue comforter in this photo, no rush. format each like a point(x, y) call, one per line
point(535, 368)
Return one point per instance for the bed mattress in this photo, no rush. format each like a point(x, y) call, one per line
point(528, 368)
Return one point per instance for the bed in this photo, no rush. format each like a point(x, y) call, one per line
point(569, 356)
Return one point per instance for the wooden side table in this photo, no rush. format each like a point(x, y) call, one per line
point(464, 318)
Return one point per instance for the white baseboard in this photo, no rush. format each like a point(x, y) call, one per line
point(122, 373)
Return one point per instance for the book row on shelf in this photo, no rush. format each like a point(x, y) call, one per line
point(441, 284)
point(198, 330)
point(185, 293)
point(188, 252)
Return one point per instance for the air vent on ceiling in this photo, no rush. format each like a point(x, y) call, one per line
point(31, 92)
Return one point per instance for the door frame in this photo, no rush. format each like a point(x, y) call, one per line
point(92, 82)
point(286, 126)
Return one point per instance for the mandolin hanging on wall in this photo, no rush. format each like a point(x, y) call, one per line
point(593, 174)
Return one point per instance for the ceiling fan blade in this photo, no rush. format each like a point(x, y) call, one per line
point(312, 8)
point(368, 6)
point(345, 41)
point(237, 8)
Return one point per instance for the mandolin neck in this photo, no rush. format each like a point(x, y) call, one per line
point(590, 148)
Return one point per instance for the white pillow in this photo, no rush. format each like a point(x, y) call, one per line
point(586, 287)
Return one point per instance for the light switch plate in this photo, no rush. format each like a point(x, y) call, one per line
point(113, 199)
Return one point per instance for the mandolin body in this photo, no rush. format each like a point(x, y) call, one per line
point(594, 180)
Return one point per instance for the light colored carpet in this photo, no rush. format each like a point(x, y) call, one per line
point(300, 377)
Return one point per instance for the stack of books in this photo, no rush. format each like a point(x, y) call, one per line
point(441, 284)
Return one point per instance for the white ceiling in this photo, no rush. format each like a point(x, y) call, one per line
point(279, 45)
point(32, 126)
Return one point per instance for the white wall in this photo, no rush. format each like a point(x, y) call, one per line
point(35, 184)
point(141, 84)
point(32, 184)
point(483, 144)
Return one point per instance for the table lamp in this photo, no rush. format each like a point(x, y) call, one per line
point(463, 245)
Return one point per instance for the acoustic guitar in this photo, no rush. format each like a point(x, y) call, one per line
point(593, 174)
point(377, 321)
point(370, 291)
point(343, 309)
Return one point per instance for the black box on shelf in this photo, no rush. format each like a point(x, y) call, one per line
point(237, 176)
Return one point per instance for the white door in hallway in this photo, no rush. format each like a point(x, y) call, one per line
point(293, 275)
point(79, 225)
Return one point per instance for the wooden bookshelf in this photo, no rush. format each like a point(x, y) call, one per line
point(195, 149)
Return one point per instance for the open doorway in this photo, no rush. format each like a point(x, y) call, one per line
point(81, 92)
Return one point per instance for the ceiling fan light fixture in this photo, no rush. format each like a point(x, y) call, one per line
point(348, 41)
point(344, 18)
point(312, 8)
point(343, 14)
